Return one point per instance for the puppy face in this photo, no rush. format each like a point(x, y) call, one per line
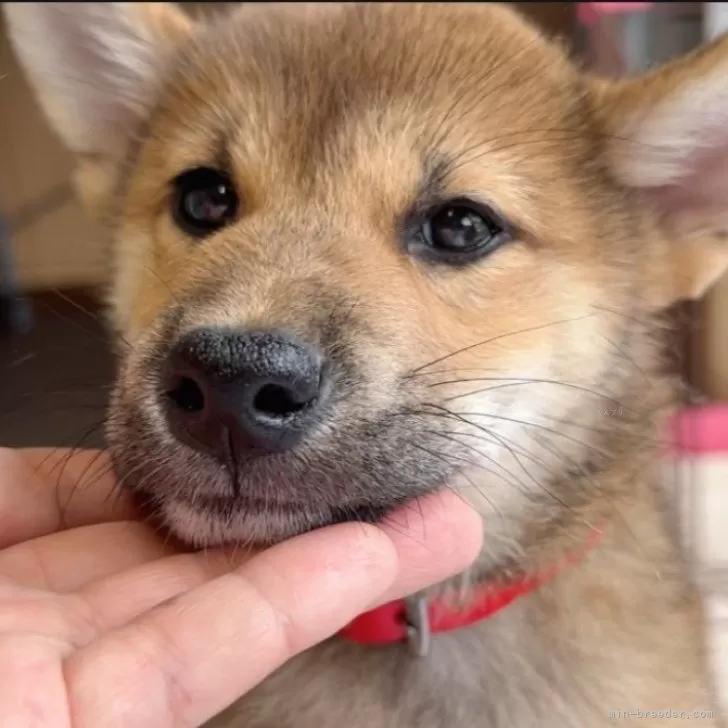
point(367, 252)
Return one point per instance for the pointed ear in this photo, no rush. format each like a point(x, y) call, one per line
point(666, 135)
point(94, 66)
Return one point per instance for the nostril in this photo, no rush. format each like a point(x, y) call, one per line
point(276, 401)
point(187, 395)
point(227, 392)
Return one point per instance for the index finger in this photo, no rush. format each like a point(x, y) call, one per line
point(189, 659)
point(43, 490)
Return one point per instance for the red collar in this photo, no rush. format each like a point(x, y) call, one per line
point(413, 620)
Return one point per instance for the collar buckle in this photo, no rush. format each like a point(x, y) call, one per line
point(417, 621)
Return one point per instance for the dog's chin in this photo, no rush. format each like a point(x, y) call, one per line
point(207, 523)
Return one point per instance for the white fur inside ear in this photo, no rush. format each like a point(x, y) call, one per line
point(92, 66)
point(667, 135)
point(669, 141)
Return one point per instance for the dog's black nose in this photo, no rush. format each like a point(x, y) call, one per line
point(254, 391)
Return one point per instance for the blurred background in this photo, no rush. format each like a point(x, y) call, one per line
point(56, 362)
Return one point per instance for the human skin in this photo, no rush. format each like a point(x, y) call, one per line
point(102, 622)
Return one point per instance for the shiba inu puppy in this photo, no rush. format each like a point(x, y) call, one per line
point(365, 252)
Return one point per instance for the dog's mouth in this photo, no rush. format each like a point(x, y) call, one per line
point(221, 507)
point(360, 471)
point(356, 512)
point(249, 519)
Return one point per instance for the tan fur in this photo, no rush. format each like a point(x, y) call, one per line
point(532, 381)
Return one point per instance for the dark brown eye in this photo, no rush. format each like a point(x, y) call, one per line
point(461, 231)
point(205, 201)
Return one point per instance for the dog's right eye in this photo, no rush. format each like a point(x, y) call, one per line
point(204, 201)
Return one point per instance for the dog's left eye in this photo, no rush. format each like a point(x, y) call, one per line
point(204, 201)
point(461, 231)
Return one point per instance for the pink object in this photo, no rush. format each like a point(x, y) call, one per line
point(700, 430)
point(590, 13)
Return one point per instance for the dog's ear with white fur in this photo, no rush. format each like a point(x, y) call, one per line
point(667, 138)
point(94, 66)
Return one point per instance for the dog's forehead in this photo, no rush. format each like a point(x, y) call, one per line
point(369, 38)
point(317, 64)
point(362, 105)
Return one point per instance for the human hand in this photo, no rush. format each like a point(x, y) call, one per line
point(103, 624)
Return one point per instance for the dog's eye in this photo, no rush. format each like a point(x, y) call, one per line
point(205, 201)
point(461, 231)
